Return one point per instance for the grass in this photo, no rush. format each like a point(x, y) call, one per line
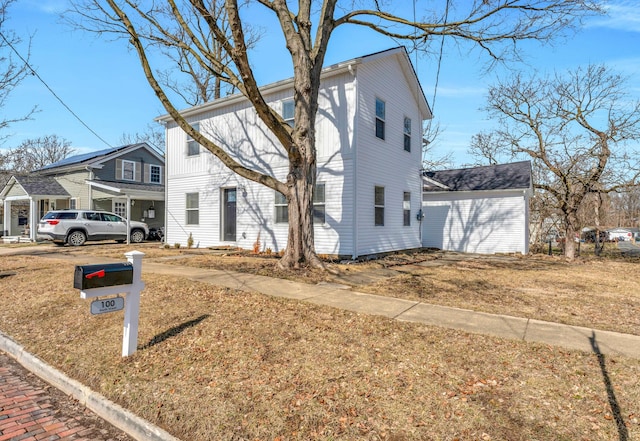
point(221, 364)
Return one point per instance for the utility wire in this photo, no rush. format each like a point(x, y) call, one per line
point(435, 88)
point(33, 72)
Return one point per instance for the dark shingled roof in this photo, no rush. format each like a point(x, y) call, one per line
point(41, 185)
point(514, 176)
point(86, 157)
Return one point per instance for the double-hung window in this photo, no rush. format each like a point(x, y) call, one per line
point(319, 206)
point(378, 205)
point(319, 212)
point(282, 209)
point(406, 209)
point(407, 134)
point(128, 170)
point(193, 208)
point(193, 148)
point(288, 112)
point(380, 118)
point(155, 174)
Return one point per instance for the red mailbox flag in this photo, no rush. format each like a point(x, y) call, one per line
point(98, 274)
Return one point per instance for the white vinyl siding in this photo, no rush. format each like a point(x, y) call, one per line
point(482, 222)
point(379, 165)
point(351, 161)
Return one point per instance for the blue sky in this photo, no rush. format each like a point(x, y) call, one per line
point(102, 82)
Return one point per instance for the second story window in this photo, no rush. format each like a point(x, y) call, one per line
point(288, 111)
point(407, 134)
point(193, 148)
point(128, 170)
point(380, 118)
point(154, 174)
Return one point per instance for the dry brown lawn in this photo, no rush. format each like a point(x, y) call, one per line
point(219, 364)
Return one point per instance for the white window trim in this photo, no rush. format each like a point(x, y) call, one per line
point(406, 207)
point(159, 173)
point(382, 118)
point(124, 164)
point(323, 203)
point(290, 121)
point(277, 204)
point(191, 209)
point(375, 205)
point(190, 140)
point(406, 133)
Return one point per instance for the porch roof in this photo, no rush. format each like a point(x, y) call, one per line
point(141, 191)
point(36, 186)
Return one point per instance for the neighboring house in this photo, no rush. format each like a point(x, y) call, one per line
point(478, 210)
point(623, 234)
point(112, 180)
point(369, 152)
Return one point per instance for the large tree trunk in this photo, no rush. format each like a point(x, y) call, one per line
point(300, 245)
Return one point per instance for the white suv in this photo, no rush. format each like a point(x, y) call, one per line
point(75, 227)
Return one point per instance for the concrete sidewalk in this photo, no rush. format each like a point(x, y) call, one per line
point(518, 328)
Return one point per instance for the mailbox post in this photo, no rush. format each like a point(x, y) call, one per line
point(116, 278)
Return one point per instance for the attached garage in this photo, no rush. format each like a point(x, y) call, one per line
point(478, 210)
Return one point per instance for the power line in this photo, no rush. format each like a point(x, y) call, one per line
point(33, 72)
point(435, 88)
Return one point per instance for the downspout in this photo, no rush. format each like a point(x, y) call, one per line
point(354, 226)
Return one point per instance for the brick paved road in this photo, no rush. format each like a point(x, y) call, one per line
point(32, 410)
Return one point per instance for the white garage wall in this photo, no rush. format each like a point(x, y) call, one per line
point(482, 222)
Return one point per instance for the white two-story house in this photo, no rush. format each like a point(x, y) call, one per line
point(369, 184)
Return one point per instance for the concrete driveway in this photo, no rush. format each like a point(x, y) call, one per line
point(629, 249)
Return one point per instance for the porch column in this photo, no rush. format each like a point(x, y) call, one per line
point(33, 219)
point(6, 218)
point(128, 219)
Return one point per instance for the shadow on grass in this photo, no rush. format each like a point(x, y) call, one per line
point(623, 433)
point(172, 332)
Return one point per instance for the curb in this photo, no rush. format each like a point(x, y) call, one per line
point(116, 415)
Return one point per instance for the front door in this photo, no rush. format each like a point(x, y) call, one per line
point(229, 215)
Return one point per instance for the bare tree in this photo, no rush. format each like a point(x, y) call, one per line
point(197, 84)
point(152, 136)
point(430, 135)
point(12, 71)
point(575, 128)
point(493, 26)
point(34, 154)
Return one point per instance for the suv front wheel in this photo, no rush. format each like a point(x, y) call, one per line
point(76, 238)
point(137, 236)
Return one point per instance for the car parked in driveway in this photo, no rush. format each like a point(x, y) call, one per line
point(75, 227)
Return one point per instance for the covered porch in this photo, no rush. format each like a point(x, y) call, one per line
point(25, 199)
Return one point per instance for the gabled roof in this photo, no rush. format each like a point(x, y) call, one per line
point(514, 176)
point(34, 185)
point(97, 157)
point(400, 52)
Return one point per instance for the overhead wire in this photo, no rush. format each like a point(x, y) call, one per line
point(34, 73)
